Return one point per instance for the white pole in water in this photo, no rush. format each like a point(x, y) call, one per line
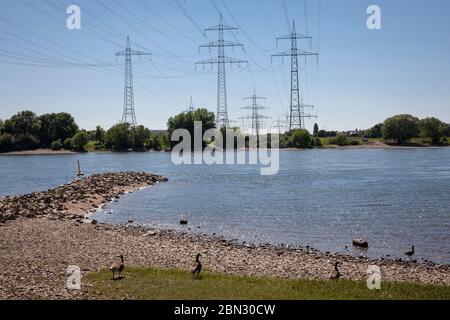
point(79, 173)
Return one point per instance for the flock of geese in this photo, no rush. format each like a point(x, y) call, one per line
point(119, 266)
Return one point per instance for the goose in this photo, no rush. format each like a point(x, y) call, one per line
point(117, 266)
point(197, 267)
point(410, 253)
point(335, 274)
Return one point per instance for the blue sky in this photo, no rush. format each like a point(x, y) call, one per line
point(362, 76)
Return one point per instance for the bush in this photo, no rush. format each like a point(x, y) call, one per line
point(401, 128)
point(68, 144)
point(375, 132)
point(301, 138)
point(118, 137)
point(434, 129)
point(6, 142)
point(26, 142)
point(57, 145)
point(318, 142)
point(340, 140)
point(354, 143)
point(79, 141)
point(139, 135)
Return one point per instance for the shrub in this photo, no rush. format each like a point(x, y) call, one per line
point(301, 138)
point(318, 142)
point(79, 141)
point(68, 144)
point(118, 137)
point(26, 142)
point(434, 129)
point(6, 142)
point(57, 145)
point(340, 140)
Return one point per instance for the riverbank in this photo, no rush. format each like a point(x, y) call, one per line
point(370, 145)
point(43, 233)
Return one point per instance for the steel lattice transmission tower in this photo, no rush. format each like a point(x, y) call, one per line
point(296, 112)
point(191, 105)
point(255, 116)
point(129, 114)
point(280, 124)
point(221, 60)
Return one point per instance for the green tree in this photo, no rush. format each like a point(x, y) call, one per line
point(23, 123)
point(118, 137)
point(6, 142)
point(79, 141)
point(340, 140)
point(25, 127)
point(2, 126)
point(99, 134)
point(56, 126)
point(153, 142)
point(301, 138)
point(139, 135)
point(375, 132)
point(57, 145)
point(186, 121)
point(401, 128)
point(68, 144)
point(316, 130)
point(434, 129)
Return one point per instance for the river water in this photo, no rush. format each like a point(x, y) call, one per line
point(394, 198)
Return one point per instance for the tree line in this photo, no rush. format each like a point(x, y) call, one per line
point(27, 131)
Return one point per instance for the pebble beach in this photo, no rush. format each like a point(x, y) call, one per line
point(42, 233)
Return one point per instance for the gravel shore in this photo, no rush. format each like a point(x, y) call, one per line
point(36, 249)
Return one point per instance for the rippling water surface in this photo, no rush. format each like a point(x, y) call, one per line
point(323, 198)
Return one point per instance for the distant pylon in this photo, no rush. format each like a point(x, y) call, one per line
point(255, 116)
point(222, 119)
point(296, 112)
point(280, 125)
point(129, 114)
point(191, 106)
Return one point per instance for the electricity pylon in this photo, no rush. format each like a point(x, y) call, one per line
point(129, 114)
point(280, 125)
point(191, 106)
point(221, 60)
point(255, 116)
point(296, 112)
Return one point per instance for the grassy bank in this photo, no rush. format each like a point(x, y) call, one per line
point(154, 284)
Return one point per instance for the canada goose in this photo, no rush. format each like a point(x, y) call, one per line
point(117, 266)
point(335, 274)
point(197, 267)
point(410, 253)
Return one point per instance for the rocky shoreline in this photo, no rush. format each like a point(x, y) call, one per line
point(45, 232)
point(76, 199)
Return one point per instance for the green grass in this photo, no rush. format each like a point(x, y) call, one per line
point(327, 141)
point(155, 284)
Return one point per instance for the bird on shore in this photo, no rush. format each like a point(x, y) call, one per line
point(335, 274)
point(117, 266)
point(410, 253)
point(197, 268)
